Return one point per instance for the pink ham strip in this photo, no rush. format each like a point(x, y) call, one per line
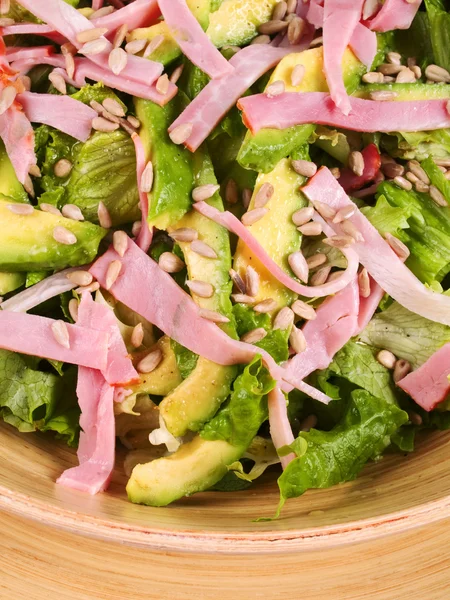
point(192, 40)
point(377, 256)
point(33, 29)
point(140, 13)
point(230, 222)
point(18, 136)
point(429, 384)
point(15, 53)
point(339, 21)
point(280, 428)
point(119, 369)
point(30, 334)
point(286, 110)
point(96, 4)
point(395, 14)
point(69, 22)
point(220, 95)
point(61, 112)
point(145, 235)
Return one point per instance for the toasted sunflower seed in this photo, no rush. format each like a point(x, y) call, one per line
point(6, 22)
point(295, 30)
point(356, 163)
point(392, 170)
point(394, 58)
point(49, 208)
point(336, 172)
point(265, 306)
point(369, 9)
point(263, 195)
point(28, 186)
point(309, 423)
point(21, 209)
point(170, 263)
point(203, 249)
point(344, 213)
point(70, 65)
point(418, 171)
point(89, 35)
point(238, 281)
point(117, 60)
point(390, 69)
point(112, 273)
point(284, 319)
point(203, 289)
point(306, 168)
point(280, 10)
point(64, 236)
point(136, 228)
point(320, 276)
point(437, 74)
point(95, 286)
point(382, 95)
point(150, 362)
point(120, 36)
point(304, 310)
point(291, 6)
point(272, 27)
point(252, 281)
point(71, 211)
point(405, 76)
point(162, 84)
point(364, 283)
point(254, 336)
point(104, 125)
point(243, 299)
point(25, 81)
point(312, 229)
point(135, 46)
point(102, 12)
point(73, 309)
point(153, 45)
point(437, 196)
point(62, 168)
point(400, 249)
point(318, 41)
point(120, 242)
point(261, 39)
point(303, 216)
point(339, 241)
point(180, 134)
point(422, 187)
point(411, 177)
point(80, 277)
point(350, 229)
point(298, 72)
point(246, 197)
point(137, 336)
point(324, 210)
point(176, 74)
point(61, 333)
point(299, 266)
point(297, 340)
point(133, 121)
point(104, 218)
point(212, 315)
point(184, 234)
point(316, 260)
point(94, 47)
point(147, 178)
point(252, 216)
point(231, 192)
point(204, 192)
point(386, 358)
point(403, 183)
point(35, 171)
point(373, 77)
point(275, 89)
point(113, 107)
point(401, 369)
point(58, 82)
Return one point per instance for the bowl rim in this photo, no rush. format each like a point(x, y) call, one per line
point(225, 542)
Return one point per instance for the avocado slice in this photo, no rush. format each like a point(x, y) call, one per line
point(9, 184)
point(286, 199)
point(199, 396)
point(28, 245)
point(262, 151)
point(406, 91)
point(10, 282)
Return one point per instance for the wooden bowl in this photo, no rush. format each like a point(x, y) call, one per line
point(383, 536)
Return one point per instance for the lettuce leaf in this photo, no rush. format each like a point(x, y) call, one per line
point(387, 218)
point(336, 456)
point(186, 359)
point(418, 145)
point(439, 20)
point(437, 177)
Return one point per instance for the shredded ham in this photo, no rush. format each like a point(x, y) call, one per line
point(280, 428)
point(230, 222)
point(394, 14)
point(16, 53)
point(192, 40)
point(372, 163)
point(18, 136)
point(61, 112)
point(339, 21)
point(33, 29)
point(220, 95)
point(145, 235)
point(429, 385)
point(291, 108)
point(96, 4)
point(377, 256)
point(30, 334)
point(140, 13)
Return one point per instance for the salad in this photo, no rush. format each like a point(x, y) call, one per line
point(225, 236)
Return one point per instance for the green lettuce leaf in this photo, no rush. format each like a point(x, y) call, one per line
point(418, 145)
point(439, 20)
point(336, 456)
point(186, 360)
point(437, 177)
point(387, 218)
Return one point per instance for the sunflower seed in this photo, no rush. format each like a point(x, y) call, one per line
point(21, 209)
point(400, 249)
point(306, 168)
point(392, 170)
point(401, 369)
point(303, 216)
point(350, 229)
point(386, 358)
point(298, 72)
point(117, 60)
point(150, 362)
point(64, 236)
point(62, 168)
point(102, 12)
point(311, 229)
point(443, 162)
point(243, 299)
point(94, 287)
point(422, 187)
point(251, 281)
point(136, 228)
point(344, 213)
point(253, 216)
point(383, 96)
point(272, 27)
point(104, 218)
point(28, 186)
point(275, 89)
point(304, 310)
point(25, 81)
point(417, 71)
point(369, 9)
point(309, 423)
point(238, 281)
point(204, 192)
point(437, 74)
point(147, 178)
point(394, 58)
point(137, 336)
point(133, 121)
point(184, 234)
point(61, 334)
point(265, 306)
point(296, 29)
point(373, 77)
point(71, 211)
point(58, 82)
point(334, 276)
point(299, 266)
point(113, 107)
point(297, 340)
point(104, 125)
point(336, 172)
point(73, 309)
point(162, 84)
point(324, 210)
point(212, 315)
point(261, 39)
point(280, 10)
point(176, 74)
point(120, 242)
point(403, 183)
point(6, 22)
point(291, 6)
point(49, 208)
point(35, 171)
point(80, 278)
point(203, 249)
point(316, 260)
point(263, 195)
point(356, 163)
point(246, 197)
point(135, 46)
point(284, 319)
point(89, 35)
point(94, 47)
point(112, 273)
point(70, 65)
point(181, 133)
point(202, 289)
point(318, 41)
point(437, 196)
point(390, 69)
point(339, 241)
point(364, 283)
point(320, 276)
point(254, 336)
point(411, 177)
point(447, 175)
point(418, 171)
point(170, 263)
point(120, 36)
point(231, 192)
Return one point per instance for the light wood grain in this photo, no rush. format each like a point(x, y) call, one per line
point(388, 531)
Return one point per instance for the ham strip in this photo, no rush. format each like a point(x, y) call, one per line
point(140, 13)
point(30, 334)
point(61, 112)
point(15, 53)
point(230, 222)
point(394, 14)
point(208, 108)
point(377, 256)
point(339, 21)
point(291, 108)
point(429, 385)
point(18, 136)
point(280, 428)
point(33, 29)
point(192, 40)
point(69, 22)
point(96, 4)
point(145, 235)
